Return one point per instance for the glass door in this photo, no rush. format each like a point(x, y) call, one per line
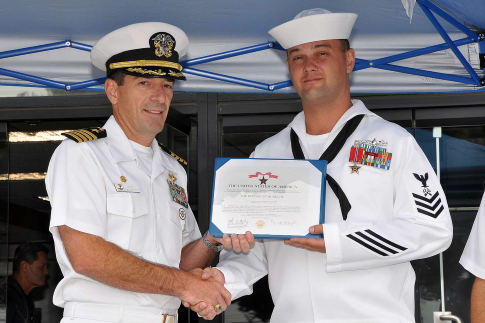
point(3, 219)
point(443, 284)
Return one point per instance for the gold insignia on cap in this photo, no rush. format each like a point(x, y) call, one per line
point(123, 179)
point(163, 45)
point(142, 71)
point(172, 73)
point(143, 62)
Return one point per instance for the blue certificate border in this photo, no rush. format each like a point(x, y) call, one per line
point(321, 165)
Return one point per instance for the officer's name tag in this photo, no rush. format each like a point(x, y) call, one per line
point(129, 188)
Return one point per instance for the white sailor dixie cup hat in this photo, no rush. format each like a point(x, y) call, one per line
point(149, 49)
point(314, 25)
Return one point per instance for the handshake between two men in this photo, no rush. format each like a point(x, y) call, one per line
point(211, 298)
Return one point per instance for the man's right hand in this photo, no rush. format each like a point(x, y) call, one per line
point(205, 292)
point(205, 309)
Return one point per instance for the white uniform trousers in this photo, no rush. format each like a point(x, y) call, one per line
point(99, 313)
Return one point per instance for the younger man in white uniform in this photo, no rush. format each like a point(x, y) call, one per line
point(473, 259)
point(390, 207)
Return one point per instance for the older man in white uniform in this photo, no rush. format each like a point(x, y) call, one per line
point(384, 204)
point(124, 233)
point(473, 259)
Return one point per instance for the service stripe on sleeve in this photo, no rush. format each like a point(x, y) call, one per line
point(380, 245)
point(367, 245)
point(395, 245)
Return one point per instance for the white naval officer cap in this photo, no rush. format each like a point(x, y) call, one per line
point(313, 25)
point(149, 49)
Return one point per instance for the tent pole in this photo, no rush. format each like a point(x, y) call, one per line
point(410, 54)
point(228, 54)
point(415, 71)
point(32, 78)
point(450, 43)
point(225, 78)
point(450, 19)
point(35, 49)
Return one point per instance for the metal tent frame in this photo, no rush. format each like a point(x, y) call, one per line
point(382, 63)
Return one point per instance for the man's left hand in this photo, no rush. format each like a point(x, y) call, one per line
point(312, 244)
point(238, 243)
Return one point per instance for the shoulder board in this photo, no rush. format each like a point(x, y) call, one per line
point(167, 151)
point(86, 134)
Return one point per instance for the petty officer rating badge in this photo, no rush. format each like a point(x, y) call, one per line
point(369, 153)
point(178, 192)
point(427, 203)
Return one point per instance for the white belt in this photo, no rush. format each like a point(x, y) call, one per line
point(118, 314)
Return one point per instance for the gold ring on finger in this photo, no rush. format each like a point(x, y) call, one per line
point(217, 307)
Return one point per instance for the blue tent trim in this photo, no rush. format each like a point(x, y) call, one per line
point(382, 63)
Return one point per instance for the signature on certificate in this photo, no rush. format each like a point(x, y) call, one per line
point(283, 223)
point(237, 223)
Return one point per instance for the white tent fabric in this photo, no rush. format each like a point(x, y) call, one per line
point(382, 29)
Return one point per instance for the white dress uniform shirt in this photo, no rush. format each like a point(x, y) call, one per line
point(143, 220)
point(473, 257)
point(365, 276)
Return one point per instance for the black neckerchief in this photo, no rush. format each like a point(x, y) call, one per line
point(329, 155)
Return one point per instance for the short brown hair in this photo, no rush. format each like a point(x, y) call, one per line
point(345, 45)
point(118, 77)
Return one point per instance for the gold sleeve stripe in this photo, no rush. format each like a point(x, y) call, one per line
point(145, 63)
point(78, 139)
point(89, 134)
point(82, 136)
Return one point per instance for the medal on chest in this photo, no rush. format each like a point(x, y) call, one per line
point(177, 192)
point(371, 153)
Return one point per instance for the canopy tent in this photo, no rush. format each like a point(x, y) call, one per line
point(382, 30)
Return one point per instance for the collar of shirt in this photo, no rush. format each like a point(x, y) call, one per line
point(122, 150)
point(298, 123)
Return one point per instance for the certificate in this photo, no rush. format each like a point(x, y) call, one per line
point(272, 198)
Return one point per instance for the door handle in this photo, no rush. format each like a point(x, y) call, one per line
point(445, 317)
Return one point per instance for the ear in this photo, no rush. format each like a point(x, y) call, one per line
point(350, 60)
point(24, 266)
point(111, 89)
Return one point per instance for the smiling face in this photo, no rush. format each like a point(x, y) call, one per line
point(140, 105)
point(319, 71)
